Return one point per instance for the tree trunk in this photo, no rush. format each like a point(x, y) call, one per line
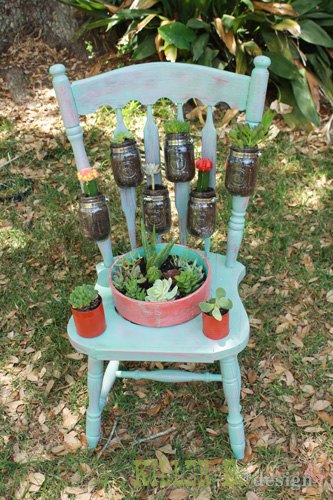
point(54, 21)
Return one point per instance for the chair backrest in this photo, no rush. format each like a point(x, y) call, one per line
point(147, 83)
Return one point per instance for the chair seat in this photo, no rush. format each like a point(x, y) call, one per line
point(123, 340)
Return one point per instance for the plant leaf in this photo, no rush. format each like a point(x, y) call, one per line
point(311, 32)
point(206, 307)
point(303, 98)
point(290, 25)
point(217, 314)
point(282, 66)
point(177, 34)
point(220, 292)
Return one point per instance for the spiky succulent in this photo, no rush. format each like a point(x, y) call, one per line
point(176, 126)
point(153, 258)
point(160, 291)
point(121, 137)
point(133, 290)
point(153, 274)
point(243, 135)
point(188, 281)
point(214, 305)
point(82, 296)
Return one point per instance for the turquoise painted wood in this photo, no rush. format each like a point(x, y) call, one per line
point(125, 341)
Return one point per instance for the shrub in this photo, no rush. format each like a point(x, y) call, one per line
point(296, 35)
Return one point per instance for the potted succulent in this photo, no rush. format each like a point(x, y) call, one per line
point(125, 160)
point(178, 152)
point(215, 315)
point(93, 208)
point(242, 162)
point(88, 311)
point(156, 202)
point(159, 284)
point(201, 214)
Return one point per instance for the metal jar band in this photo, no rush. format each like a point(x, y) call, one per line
point(94, 217)
point(201, 215)
point(241, 171)
point(126, 163)
point(156, 209)
point(179, 157)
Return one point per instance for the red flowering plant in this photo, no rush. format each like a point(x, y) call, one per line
point(88, 176)
point(204, 165)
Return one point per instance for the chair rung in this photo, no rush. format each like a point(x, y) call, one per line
point(170, 376)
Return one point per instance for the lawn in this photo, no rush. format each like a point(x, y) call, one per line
point(286, 368)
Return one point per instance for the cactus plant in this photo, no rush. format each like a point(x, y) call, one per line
point(214, 305)
point(83, 296)
point(88, 177)
point(160, 291)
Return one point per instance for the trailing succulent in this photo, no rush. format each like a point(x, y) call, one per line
point(214, 305)
point(83, 296)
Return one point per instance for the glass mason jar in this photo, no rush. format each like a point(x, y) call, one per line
point(241, 170)
point(156, 209)
point(94, 217)
point(179, 157)
point(201, 214)
point(126, 163)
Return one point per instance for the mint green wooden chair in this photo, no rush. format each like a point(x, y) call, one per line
point(125, 341)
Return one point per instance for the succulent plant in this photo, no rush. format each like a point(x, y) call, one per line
point(213, 306)
point(160, 291)
point(152, 169)
point(153, 258)
point(153, 274)
point(133, 290)
point(176, 126)
point(243, 135)
point(188, 281)
point(121, 137)
point(83, 296)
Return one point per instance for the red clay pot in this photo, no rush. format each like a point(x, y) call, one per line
point(214, 329)
point(160, 314)
point(90, 324)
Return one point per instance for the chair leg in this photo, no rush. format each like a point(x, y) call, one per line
point(108, 381)
point(231, 385)
point(93, 422)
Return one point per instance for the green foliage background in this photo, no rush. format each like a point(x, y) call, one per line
point(297, 35)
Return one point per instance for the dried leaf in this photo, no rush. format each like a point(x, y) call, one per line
point(250, 495)
point(309, 389)
point(281, 9)
point(164, 463)
point(69, 420)
point(36, 479)
point(167, 449)
point(71, 441)
point(321, 404)
point(326, 417)
point(314, 429)
point(227, 36)
point(178, 494)
point(259, 421)
point(153, 410)
point(205, 494)
point(329, 296)
point(251, 375)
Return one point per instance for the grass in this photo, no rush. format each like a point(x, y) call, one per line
point(287, 250)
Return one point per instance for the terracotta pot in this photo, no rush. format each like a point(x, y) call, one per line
point(90, 323)
point(94, 217)
point(160, 314)
point(179, 157)
point(201, 214)
point(241, 171)
point(156, 209)
point(214, 329)
point(126, 163)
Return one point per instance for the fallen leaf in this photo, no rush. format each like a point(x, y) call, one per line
point(178, 494)
point(259, 421)
point(36, 478)
point(308, 263)
point(314, 429)
point(205, 494)
point(251, 375)
point(164, 463)
point(329, 296)
point(153, 410)
point(167, 449)
point(69, 420)
point(250, 495)
point(321, 404)
point(326, 417)
point(71, 441)
point(309, 389)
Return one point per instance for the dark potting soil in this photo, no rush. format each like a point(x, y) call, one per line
point(91, 306)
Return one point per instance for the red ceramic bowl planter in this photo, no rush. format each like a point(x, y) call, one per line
point(160, 314)
point(214, 329)
point(90, 324)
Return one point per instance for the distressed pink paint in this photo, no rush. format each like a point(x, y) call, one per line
point(159, 314)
